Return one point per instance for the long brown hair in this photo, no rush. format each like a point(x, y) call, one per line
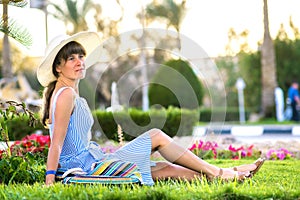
point(67, 50)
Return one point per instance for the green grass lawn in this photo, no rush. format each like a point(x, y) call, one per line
point(275, 180)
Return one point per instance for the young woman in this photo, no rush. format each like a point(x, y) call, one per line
point(69, 120)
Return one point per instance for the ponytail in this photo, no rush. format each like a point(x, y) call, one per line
point(48, 91)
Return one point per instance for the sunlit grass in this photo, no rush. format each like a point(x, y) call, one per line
point(275, 180)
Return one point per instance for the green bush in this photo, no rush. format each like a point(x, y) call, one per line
point(134, 122)
point(221, 114)
point(18, 127)
point(176, 85)
point(22, 169)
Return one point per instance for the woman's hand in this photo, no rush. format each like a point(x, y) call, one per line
point(50, 179)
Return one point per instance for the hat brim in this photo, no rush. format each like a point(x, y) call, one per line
point(89, 40)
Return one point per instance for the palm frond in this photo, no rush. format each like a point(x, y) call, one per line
point(17, 32)
point(72, 9)
point(167, 10)
point(59, 11)
point(154, 10)
point(87, 4)
point(17, 3)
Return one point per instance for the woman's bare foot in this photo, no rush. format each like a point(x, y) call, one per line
point(230, 174)
point(248, 167)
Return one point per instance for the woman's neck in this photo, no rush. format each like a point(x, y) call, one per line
point(67, 83)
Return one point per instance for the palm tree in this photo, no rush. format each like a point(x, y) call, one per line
point(108, 27)
point(10, 28)
point(169, 11)
point(73, 14)
point(268, 64)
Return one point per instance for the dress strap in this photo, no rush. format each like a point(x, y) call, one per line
point(55, 99)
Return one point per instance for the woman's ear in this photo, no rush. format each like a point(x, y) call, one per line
point(58, 68)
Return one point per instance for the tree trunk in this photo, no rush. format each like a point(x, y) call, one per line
point(268, 64)
point(6, 68)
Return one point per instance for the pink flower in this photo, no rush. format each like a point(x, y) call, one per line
point(193, 147)
point(231, 148)
point(200, 144)
point(200, 148)
point(279, 154)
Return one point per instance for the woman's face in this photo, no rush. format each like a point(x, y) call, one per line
point(73, 67)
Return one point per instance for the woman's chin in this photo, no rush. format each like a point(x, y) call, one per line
point(82, 75)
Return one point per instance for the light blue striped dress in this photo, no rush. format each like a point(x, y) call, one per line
point(79, 151)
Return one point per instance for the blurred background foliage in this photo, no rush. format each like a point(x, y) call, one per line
point(244, 62)
point(247, 65)
point(180, 88)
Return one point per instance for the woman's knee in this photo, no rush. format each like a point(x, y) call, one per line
point(158, 136)
point(155, 132)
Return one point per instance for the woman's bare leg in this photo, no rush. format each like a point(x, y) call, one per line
point(164, 170)
point(174, 153)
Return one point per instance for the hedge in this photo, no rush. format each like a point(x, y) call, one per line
point(134, 122)
point(173, 121)
point(221, 114)
point(18, 127)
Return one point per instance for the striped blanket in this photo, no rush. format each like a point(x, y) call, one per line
point(103, 172)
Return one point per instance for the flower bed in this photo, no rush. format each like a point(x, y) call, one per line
point(34, 143)
point(39, 144)
point(211, 150)
point(279, 154)
point(24, 161)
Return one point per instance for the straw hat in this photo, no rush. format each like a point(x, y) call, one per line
point(89, 41)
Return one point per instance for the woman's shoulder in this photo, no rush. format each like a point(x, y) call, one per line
point(68, 90)
point(65, 95)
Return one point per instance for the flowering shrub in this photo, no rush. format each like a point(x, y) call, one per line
point(280, 154)
point(208, 150)
point(205, 150)
point(34, 143)
point(244, 152)
point(24, 161)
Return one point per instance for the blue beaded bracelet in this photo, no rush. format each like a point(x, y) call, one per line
point(50, 172)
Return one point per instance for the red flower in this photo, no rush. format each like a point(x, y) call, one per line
point(235, 158)
point(26, 143)
point(249, 150)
